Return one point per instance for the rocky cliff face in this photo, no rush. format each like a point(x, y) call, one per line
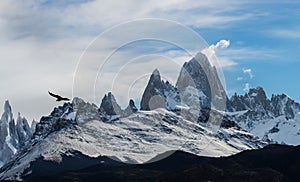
point(255, 99)
point(23, 130)
point(159, 94)
point(198, 88)
point(130, 109)
point(259, 107)
point(84, 111)
point(198, 80)
point(59, 118)
point(109, 108)
point(193, 75)
point(284, 105)
point(109, 105)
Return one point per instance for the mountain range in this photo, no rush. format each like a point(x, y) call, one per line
point(194, 115)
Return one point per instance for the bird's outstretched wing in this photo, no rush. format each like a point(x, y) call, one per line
point(54, 95)
point(58, 97)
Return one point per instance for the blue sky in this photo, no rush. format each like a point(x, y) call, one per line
point(37, 35)
point(274, 39)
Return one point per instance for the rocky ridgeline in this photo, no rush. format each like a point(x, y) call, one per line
point(259, 107)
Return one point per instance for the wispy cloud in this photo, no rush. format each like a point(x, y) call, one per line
point(244, 53)
point(239, 78)
point(45, 19)
point(228, 56)
point(287, 33)
point(249, 72)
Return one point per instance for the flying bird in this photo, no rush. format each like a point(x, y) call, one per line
point(58, 97)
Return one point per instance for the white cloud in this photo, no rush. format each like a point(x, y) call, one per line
point(222, 44)
point(246, 87)
point(287, 33)
point(249, 72)
point(219, 61)
point(239, 78)
point(190, 12)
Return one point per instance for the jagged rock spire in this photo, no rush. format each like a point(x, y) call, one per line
point(152, 97)
point(159, 94)
point(131, 108)
point(197, 86)
point(23, 130)
point(109, 105)
point(8, 126)
point(200, 78)
point(12, 136)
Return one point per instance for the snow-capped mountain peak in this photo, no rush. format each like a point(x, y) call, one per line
point(159, 94)
point(200, 75)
